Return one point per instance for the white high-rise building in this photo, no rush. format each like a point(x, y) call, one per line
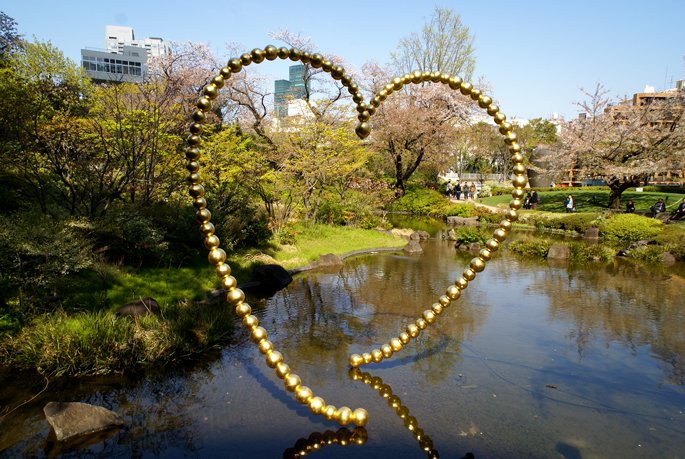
point(116, 37)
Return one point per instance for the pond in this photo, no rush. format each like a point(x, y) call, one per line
point(534, 360)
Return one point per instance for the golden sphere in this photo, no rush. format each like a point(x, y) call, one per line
point(469, 274)
point(218, 81)
point(444, 301)
point(492, 245)
point(194, 140)
point(245, 59)
point(229, 283)
point(511, 215)
point(303, 395)
point(389, 88)
point(410, 423)
point(477, 265)
point(360, 417)
point(257, 335)
point(367, 358)
point(421, 324)
point(206, 229)
point(235, 296)
point(317, 61)
point(416, 77)
point(316, 405)
point(199, 203)
point(364, 116)
point(355, 374)
point(376, 382)
point(282, 370)
point(485, 254)
point(211, 242)
point(292, 383)
point(386, 350)
point(505, 225)
point(499, 235)
point(257, 56)
point(193, 153)
point(250, 322)
point(283, 52)
point(270, 52)
point(429, 316)
point(234, 65)
point(375, 102)
point(266, 347)
point(445, 78)
point(273, 359)
point(363, 130)
point(435, 77)
point(461, 283)
point(437, 309)
point(499, 118)
point(294, 54)
point(361, 107)
point(196, 190)
point(475, 94)
point(466, 88)
point(222, 270)
point(510, 138)
point(519, 181)
point(337, 72)
point(505, 128)
point(355, 360)
point(366, 377)
point(413, 330)
point(225, 73)
point(484, 101)
point(327, 66)
point(382, 95)
point(397, 84)
point(404, 338)
point(346, 80)
point(492, 110)
point(195, 128)
point(216, 256)
point(395, 345)
point(376, 355)
point(329, 413)
point(193, 178)
point(517, 159)
point(204, 104)
point(394, 402)
point(453, 292)
point(343, 416)
point(517, 194)
point(371, 110)
point(455, 82)
point(199, 117)
point(515, 149)
point(402, 411)
point(519, 169)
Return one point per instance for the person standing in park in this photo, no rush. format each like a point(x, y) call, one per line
point(678, 213)
point(526, 203)
point(457, 190)
point(569, 204)
point(630, 207)
point(465, 191)
point(472, 191)
point(534, 200)
point(658, 207)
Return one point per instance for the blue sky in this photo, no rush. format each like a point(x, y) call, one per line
point(536, 54)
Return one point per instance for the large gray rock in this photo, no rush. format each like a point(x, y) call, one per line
point(73, 419)
point(424, 235)
point(460, 221)
point(625, 251)
point(415, 236)
point(591, 233)
point(474, 247)
point(412, 247)
point(271, 276)
point(143, 307)
point(667, 257)
point(329, 260)
point(451, 235)
point(559, 252)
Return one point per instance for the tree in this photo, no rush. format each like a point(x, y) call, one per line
point(444, 45)
point(542, 132)
point(623, 144)
point(8, 35)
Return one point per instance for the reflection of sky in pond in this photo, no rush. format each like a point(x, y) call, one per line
point(532, 361)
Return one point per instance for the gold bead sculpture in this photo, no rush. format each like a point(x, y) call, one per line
point(217, 257)
point(317, 440)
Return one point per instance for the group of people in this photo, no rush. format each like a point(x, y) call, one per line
point(531, 201)
point(459, 190)
point(660, 206)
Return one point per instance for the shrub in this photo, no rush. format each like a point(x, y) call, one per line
point(460, 210)
point(650, 252)
point(538, 247)
point(630, 227)
point(467, 234)
point(422, 201)
point(584, 252)
point(578, 222)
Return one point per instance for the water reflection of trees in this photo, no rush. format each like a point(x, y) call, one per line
point(320, 318)
point(621, 302)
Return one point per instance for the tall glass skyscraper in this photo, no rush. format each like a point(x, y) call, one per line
point(292, 88)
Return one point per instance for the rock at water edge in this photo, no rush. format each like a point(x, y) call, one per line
point(71, 419)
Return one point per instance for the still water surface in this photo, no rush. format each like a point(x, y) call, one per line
point(609, 338)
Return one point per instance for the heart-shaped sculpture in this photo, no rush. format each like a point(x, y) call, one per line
point(217, 256)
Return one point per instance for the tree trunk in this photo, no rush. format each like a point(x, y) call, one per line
point(617, 187)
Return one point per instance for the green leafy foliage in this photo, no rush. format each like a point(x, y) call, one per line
point(422, 201)
point(630, 227)
point(469, 234)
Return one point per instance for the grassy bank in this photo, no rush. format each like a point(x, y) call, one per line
point(80, 334)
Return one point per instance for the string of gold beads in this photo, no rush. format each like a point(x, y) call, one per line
point(316, 441)
point(476, 265)
point(217, 256)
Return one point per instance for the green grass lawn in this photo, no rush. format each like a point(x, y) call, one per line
point(592, 201)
